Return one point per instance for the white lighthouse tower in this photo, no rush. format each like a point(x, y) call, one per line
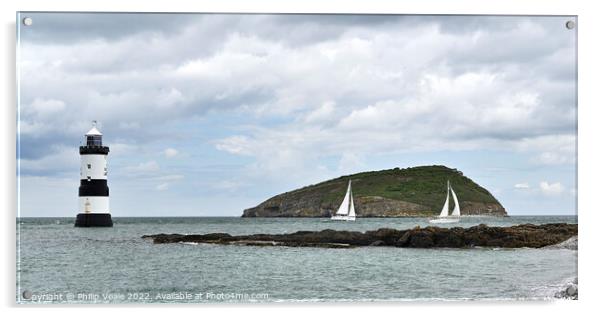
point(93, 188)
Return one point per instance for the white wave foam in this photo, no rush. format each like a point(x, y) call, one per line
point(554, 291)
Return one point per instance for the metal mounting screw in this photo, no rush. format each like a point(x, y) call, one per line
point(27, 294)
point(570, 24)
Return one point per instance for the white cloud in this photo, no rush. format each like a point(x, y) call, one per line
point(151, 174)
point(122, 149)
point(170, 177)
point(235, 145)
point(228, 185)
point(553, 149)
point(143, 168)
point(351, 163)
point(162, 187)
point(62, 160)
point(43, 107)
point(551, 188)
point(165, 180)
point(555, 158)
point(48, 195)
point(456, 113)
point(322, 113)
point(364, 69)
point(42, 116)
point(521, 186)
point(170, 152)
point(170, 98)
point(129, 125)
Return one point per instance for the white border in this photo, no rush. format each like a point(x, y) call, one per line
point(589, 146)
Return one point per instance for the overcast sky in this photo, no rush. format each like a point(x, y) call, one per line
point(207, 115)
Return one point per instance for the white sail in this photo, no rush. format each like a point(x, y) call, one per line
point(443, 217)
point(456, 211)
point(445, 208)
point(351, 205)
point(344, 208)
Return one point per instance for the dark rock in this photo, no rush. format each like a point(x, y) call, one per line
point(421, 239)
point(453, 239)
point(175, 238)
point(534, 236)
point(403, 241)
point(387, 235)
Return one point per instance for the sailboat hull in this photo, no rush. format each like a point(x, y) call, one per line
point(342, 218)
point(444, 220)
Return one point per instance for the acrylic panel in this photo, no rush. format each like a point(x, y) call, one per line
point(236, 158)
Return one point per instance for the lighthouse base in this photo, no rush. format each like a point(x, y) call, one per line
point(93, 220)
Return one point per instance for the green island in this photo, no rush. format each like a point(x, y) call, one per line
point(416, 191)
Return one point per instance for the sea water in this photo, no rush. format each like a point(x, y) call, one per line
point(59, 263)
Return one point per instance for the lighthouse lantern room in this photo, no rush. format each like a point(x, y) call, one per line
point(93, 188)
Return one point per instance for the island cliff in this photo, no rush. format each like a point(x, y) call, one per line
point(417, 191)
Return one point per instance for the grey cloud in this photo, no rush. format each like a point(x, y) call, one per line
point(70, 28)
point(154, 69)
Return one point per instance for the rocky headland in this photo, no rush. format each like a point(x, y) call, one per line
point(526, 235)
point(417, 191)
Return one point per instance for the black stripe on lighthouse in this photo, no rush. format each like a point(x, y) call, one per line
point(93, 187)
point(93, 150)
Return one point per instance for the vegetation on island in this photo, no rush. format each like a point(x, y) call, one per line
point(412, 191)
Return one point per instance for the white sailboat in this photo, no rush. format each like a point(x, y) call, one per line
point(443, 216)
point(346, 211)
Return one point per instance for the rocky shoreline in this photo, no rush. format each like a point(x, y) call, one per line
point(525, 235)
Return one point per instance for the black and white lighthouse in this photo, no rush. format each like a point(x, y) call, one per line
point(93, 188)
